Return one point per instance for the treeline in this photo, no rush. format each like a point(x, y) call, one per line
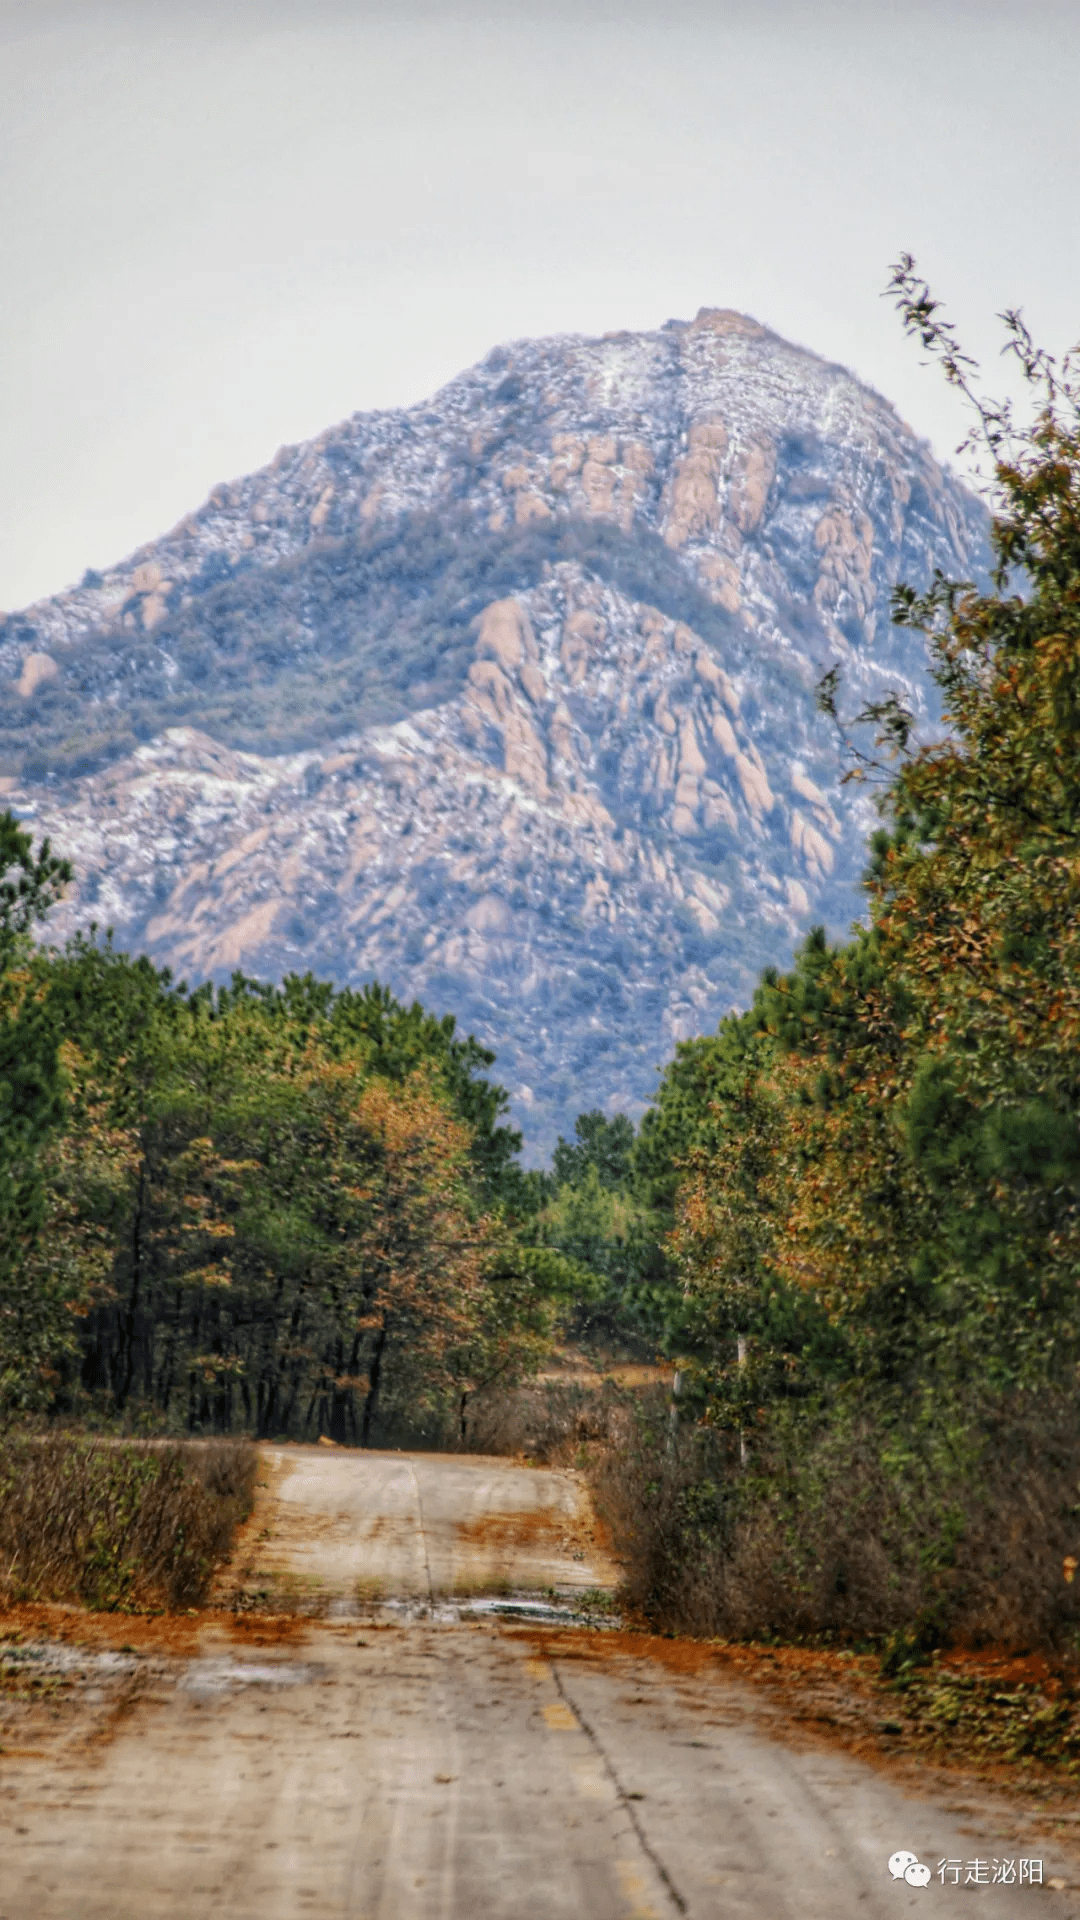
point(278, 1209)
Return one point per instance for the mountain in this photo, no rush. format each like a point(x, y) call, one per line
point(506, 698)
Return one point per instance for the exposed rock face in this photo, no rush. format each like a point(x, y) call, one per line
point(37, 668)
point(620, 802)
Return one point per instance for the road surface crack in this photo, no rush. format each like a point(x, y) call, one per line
point(624, 1799)
point(423, 1535)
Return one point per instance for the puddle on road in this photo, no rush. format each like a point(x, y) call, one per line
point(53, 1659)
point(36, 1665)
point(560, 1611)
point(222, 1675)
point(522, 1610)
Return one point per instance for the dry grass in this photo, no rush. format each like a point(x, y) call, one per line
point(548, 1421)
point(118, 1525)
point(840, 1534)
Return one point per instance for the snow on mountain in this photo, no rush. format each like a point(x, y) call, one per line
point(505, 699)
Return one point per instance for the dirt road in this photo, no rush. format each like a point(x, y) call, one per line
point(414, 1762)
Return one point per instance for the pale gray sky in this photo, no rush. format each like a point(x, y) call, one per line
point(226, 226)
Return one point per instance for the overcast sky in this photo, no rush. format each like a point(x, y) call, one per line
point(225, 227)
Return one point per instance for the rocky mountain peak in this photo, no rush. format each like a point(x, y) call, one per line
point(506, 698)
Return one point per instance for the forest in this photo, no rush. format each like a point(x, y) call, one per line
point(851, 1216)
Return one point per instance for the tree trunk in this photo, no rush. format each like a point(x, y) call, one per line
point(744, 1446)
point(126, 1368)
point(374, 1377)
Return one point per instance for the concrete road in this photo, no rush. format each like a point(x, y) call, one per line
point(341, 1526)
point(430, 1767)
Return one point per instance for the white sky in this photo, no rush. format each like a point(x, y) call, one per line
point(226, 226)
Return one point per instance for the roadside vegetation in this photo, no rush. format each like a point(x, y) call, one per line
point(118, 1526)
point(849, 1223)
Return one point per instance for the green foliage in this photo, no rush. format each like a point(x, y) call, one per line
point(623, 1293)
point(29, 883)
point(601, 1145)
point(850, 1520)
point(395, 1041)
point(282, 1208)
point(33, 1320)
point(682, 1118)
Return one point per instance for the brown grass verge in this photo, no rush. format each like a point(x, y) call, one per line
point(118, 1526)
